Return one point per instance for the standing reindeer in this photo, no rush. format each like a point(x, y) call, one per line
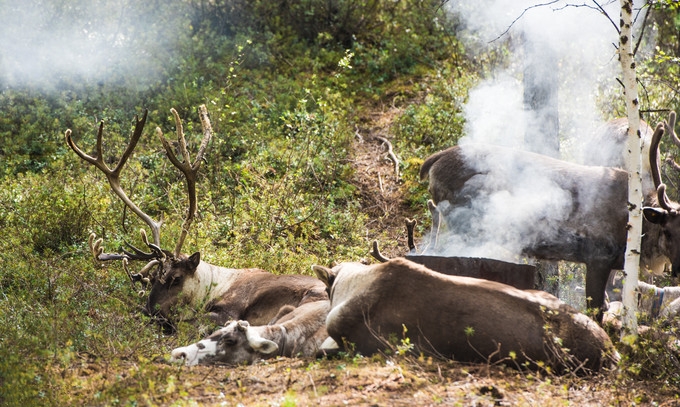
point(606, 147)
point(592, 218)
point(177, 279)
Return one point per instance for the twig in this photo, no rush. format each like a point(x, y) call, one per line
point(313, 385)
point(520, 16)
point(358, 135)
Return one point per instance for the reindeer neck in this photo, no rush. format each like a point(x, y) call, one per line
point(211, 281)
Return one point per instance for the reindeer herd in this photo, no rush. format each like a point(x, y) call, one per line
point(399, 304)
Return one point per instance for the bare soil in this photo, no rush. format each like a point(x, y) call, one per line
point(347, 381)
point(360, 381)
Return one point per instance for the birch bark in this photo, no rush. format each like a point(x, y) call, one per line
point(632, 165)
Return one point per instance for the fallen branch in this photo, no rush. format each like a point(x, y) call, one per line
point(358, 135)
point(390, 154)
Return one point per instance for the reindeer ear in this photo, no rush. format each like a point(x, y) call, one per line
point(260, 344)
point(265, 346)
point(194, 260)
point(324, 274)
point(655, 215)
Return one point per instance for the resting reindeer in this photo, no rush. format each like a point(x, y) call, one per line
point(591, 222)
point(462, 318)
point(653, 302)
point(179, 280)
point(298, 332)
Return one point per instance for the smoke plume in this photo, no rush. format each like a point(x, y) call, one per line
point(581, 39)
point(46, 44)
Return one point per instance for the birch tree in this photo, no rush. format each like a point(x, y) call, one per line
point(633, 163)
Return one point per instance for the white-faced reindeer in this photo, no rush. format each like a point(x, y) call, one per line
point(181, 281)
point(592, 227)
point(296, 332)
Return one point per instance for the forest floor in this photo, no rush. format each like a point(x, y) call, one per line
point(380, 380)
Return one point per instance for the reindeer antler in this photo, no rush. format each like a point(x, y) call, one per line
point(156, 255)
point(189, 169)
point(113, 175)
point(410, 232)
point(664, 201)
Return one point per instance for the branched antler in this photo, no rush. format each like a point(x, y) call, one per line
point(390, 154)
point(189, 169)
point(113, 175)
point(156, 256)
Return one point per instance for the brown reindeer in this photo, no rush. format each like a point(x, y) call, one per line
point(186, 282)
point(607, 146)
point(591, 222)
point(385, 306)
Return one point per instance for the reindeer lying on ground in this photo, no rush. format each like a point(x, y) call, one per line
point(400, 303)
point(181, 281)
point(593, 224)
point(653, 303)
point(296, 332)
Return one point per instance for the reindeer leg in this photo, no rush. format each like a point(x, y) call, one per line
point(597, 274)
point(436, 223)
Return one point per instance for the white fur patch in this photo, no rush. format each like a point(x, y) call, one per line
point(209, 282)
point(351, 281)
point(194, 353)
point(329, 344)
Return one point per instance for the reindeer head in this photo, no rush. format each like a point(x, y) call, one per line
point(172, 288)
point(165, 271)
point(236, 343)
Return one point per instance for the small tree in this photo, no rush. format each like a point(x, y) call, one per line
point(633, 162)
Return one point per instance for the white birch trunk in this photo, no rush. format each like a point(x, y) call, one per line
point(633, 162)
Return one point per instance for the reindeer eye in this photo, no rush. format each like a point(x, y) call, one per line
point(230, 341)
point(175, 282)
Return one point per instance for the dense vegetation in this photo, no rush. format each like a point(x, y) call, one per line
point(286, 86)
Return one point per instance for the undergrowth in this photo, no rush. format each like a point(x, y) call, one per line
point(285, 95)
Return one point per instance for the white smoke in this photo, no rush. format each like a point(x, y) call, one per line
point(43, 43)
point(581, 38)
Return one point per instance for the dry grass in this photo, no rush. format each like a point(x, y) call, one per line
point(398, 381)
point(354, 381)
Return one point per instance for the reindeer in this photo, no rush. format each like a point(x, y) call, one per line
point(607, 145)
point(592, 225)
point(181, 281)
point(296, 332)
point(400, 303)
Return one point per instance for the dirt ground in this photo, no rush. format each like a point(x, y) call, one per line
point(357, 381)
